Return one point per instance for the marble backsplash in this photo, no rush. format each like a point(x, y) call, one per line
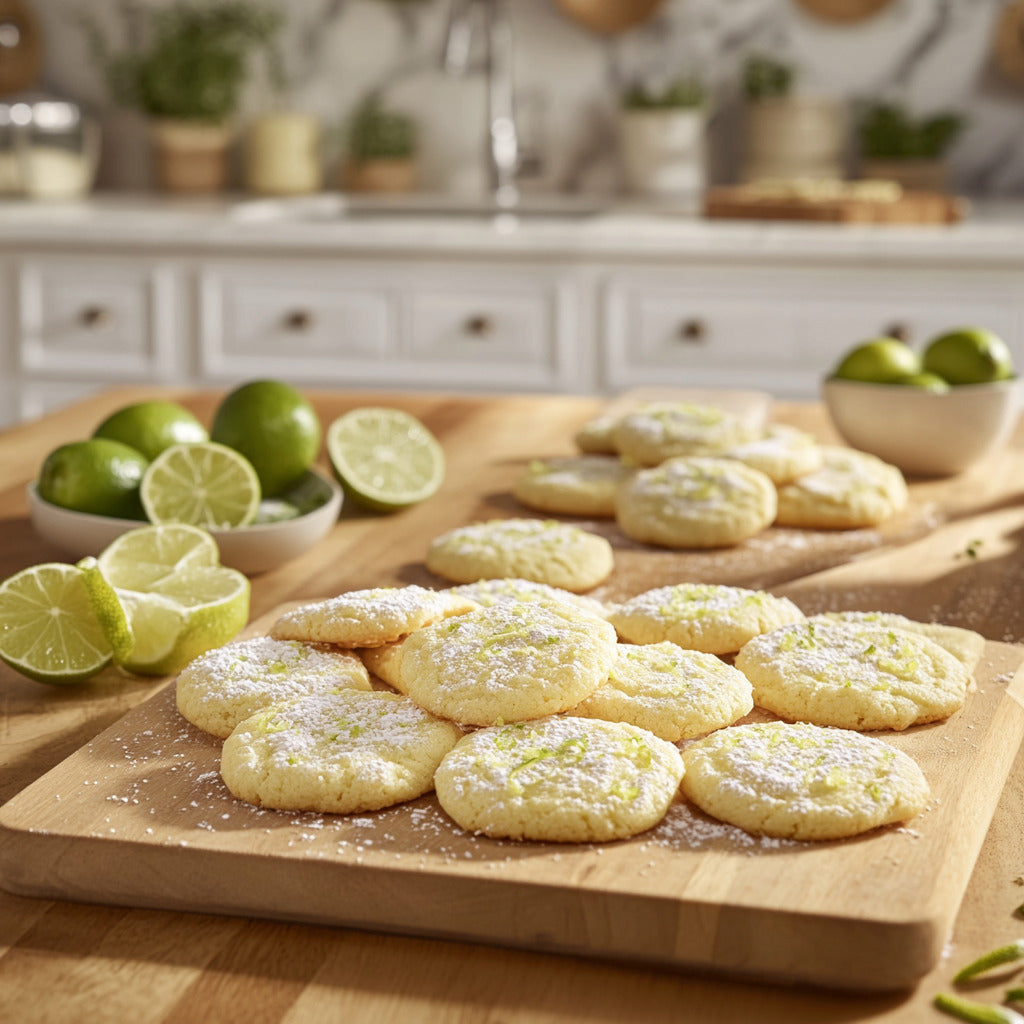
point(933, 55)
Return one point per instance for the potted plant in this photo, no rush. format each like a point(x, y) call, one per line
point(789, 135)
point(897, 146)
point(187, 77)
point(381, 149)
point(662, 138)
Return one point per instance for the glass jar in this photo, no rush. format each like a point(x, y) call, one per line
point(49, 147)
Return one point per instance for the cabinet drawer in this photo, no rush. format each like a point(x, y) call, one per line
point(99, 318)
point(676, 337)
point(514, 335)
point(311, 322)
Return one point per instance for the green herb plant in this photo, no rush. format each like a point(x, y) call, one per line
point(767, 78)
point(888, 131)
point(681, 93)
point(194, 59)
point(378, 133)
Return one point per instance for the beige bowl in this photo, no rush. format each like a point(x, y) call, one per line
point(250, 549)
point(923, 433)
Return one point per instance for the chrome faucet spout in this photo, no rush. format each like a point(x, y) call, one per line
point(502, 135)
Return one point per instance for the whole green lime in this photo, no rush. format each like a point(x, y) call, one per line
point(879, 361)
point(968, 355)
point(98, 476)
point(924, 381)
point(274, 427)
point(151, 427)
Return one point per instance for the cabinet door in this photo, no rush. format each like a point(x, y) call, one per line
point(98, 318)
point(782, 329)
point(319, 321)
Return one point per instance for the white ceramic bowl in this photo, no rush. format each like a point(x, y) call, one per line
point(250, 549)
point(921, 432)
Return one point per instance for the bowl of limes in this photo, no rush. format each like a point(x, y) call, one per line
point(250, 480)
point(933, 412)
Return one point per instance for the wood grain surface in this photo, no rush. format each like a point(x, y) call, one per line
point(956, 556)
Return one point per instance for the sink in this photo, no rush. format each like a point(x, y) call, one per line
point(338, 206)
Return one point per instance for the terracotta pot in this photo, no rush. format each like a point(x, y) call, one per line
point(795, 137)
point(609, 17)
point(191, 156)
point(380, 175)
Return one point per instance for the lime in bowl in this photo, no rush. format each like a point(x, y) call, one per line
point(284, 527)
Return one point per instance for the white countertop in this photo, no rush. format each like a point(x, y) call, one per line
point(320, 224)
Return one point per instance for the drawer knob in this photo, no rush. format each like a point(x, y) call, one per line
point(95, 316)
point(693, 330)
point(479, 326)
point(299, 320)
point(901, 332)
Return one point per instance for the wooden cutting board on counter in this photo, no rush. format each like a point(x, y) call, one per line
point(911, 207)
point(140, 817)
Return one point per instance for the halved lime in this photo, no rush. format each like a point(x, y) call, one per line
point(142, 557)
point(203, 484)
point(385, 458)
point(48, 628)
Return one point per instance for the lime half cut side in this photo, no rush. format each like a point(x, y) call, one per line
point(385, 458)
point(48, 628)
point(202, 484)
point(143, 557)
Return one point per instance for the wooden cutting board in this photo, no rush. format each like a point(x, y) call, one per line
point(140, 817)
point(912, 207)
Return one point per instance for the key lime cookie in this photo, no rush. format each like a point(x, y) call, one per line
point(710, 617)
point(697, 502)
point(385, 662)
point(508, 662)
point(219, 689)
point(802, 781)
point(964, 644)
point(675, 694)
point(488, 592)
point(559, 780)
point(851, 489)
point(656, 431)
point(572, 485)
point(783, 453)
point(542, 550)
point(368, 618)
point(337, 753)
point(853, 675)
point(596, 436)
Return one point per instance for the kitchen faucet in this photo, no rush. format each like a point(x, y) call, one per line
point(465, 19)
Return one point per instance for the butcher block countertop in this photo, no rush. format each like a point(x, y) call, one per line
point(954, 556)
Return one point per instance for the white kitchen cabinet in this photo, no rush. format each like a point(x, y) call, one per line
point(144, 289)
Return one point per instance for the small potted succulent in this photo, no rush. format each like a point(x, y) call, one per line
point(380, 152)
point(662, 138)
point(789, 135)
point(187, 76)
point(898, 146)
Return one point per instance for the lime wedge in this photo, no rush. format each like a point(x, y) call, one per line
point(48, 629)
point(177, 599)
point(385, 458)
point(203, 484)
point(108, 608)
